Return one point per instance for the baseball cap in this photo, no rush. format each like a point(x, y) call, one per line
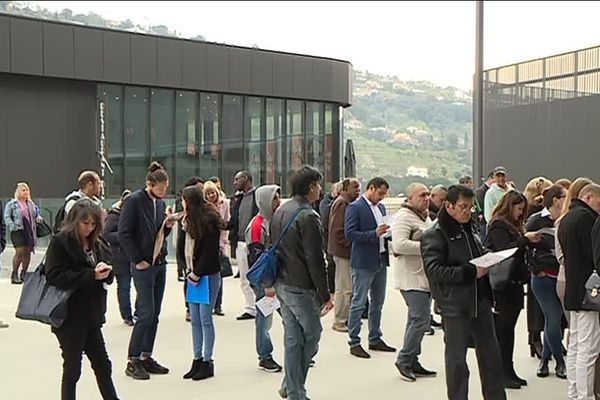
point(499, 170)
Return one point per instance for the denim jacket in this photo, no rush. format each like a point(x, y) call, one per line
point(13, 217)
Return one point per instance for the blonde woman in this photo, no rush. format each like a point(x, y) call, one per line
point(21, 216)
point(533, 192)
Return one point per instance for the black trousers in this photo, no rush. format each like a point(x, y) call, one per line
point(505, 322)
point(75, 340)
point(456, 336)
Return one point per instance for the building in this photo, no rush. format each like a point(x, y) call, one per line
point(541, 117)
point(422, 172)
point(72, 96)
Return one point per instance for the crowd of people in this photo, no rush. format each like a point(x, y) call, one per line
point(333, 252)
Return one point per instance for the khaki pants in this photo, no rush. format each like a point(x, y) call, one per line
point(584, 346)
point(343, 291)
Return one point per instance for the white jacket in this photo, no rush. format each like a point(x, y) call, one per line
point(406, 261)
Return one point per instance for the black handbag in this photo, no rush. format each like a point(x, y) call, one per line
point(42, 229)
point(591, 300)
point(42, 302)
point(226, 269)
point(500, 274)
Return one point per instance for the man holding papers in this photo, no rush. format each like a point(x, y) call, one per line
point(464, 295)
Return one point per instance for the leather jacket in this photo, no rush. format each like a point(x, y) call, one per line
point(446, 249)
point(300, 251)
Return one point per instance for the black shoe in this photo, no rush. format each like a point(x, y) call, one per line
point(358, 351)
point(381, 346)
point(434, 323)
point(206, 370)
point(128, 321)
point(406, 373)
point(542, 370)
point(219, 311)
point(517, 378)
point(536, 350)
point(237, 275)
point(136, 370)
point(188, 318)
point(430, 332)
point(153, 367)
point(511, 383)
point(14, 279)
point(194, 370)
point(269, 365)
point(245, 316)
point(419, 371)
point(561, 369)
point(22, 276)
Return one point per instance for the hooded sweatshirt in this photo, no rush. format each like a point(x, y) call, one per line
point(257, 232)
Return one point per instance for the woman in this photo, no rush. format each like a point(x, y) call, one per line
point(120, 259)
point(533, 193)
point(202, 224)
point(21, 216)
point(76, 260)
point(505, 231)
point(544, 271)
point(213, 195)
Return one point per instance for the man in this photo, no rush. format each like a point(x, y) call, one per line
point(364, 227)
point(410, 223)
point(579, 238)
point(339, 247)
point(436, 200)
point(324, 212)
point(467, 181)
point(495, 192)
point(302, 279)
point(90, 186)
point(244, 208)
point(463, 292)
point(257, 238)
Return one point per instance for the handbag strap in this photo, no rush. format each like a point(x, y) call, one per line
point(287, 227)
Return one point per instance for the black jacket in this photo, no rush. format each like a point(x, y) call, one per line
point(67, 267)
point(119, 258)
point(300, 252)
point(138, 228)
point(206, 253)
point(501, 236)
point(575, 238)
point(544, 256)
point(235, 217)
point(446, 249)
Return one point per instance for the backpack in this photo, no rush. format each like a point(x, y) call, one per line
point(61, 214)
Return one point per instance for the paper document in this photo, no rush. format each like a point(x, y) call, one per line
point(267, 305)
point(489, 259)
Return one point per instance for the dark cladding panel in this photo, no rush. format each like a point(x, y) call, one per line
point(4, 44)
point(321, 85)
point(240, 70)
point(143, 60)
point(341, 82)
point(88, 54)
point(302, 77)
point(59, 59)
point(217, 74)
point(262, 73)
point(117, 57)
point(169, 62)
point(194, 65)
point(283, 68)
point(26, 47)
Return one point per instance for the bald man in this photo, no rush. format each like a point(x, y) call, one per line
point(436, 200)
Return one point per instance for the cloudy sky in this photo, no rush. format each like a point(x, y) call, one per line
point(432, 41)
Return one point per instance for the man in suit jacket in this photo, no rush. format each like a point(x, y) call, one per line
point(364, 226)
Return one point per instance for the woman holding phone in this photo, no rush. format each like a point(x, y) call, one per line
point(77, 260)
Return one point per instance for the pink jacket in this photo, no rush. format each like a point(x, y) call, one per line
point(223, 208)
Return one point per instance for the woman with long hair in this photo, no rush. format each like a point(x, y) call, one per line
point(77, 260)
point(21, 216)
point(544, 271)
point(202, 224)
point(533, 193)
point(505, 231)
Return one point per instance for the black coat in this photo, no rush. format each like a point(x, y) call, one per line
point(446, 249)
point(235, 217)
point(67, 267)
point(119, 258)
point(544, 256)
point(206, 258)
point(575, 238)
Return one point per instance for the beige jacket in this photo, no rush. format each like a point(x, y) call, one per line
point(407, 232)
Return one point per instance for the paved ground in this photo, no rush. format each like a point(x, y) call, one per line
point(31, 362)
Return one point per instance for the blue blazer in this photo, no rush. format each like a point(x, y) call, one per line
point(359, 229)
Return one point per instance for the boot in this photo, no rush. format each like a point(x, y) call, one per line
point(206, 370)
point(194, 370)
point(542, 370)
point(14, 278)
point(561, 368)
point(517, 378)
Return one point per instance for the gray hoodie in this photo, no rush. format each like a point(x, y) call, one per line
point(264, 202)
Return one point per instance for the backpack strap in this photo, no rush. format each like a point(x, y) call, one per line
point(287, 227)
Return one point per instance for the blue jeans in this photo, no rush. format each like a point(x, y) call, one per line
point(124, 293)
point(203, 329)
point(417, 323)
point(264, 345)
point(544, 289)
point(150, 288)
point(301, 314)
point(371, 283)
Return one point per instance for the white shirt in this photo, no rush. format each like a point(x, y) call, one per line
point(378, 219)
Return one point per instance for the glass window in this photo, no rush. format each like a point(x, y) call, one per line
point(136, 136)
point(314, 135)
point(295, 136)
point(186, 138)
point(275, 140)
point(328, 175)
point(161, 129)
point(210, 149)
point(110, 99)
point(253, 133)
point(232, 140)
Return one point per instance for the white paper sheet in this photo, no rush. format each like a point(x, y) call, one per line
point(489, 259)
point(267, 305)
